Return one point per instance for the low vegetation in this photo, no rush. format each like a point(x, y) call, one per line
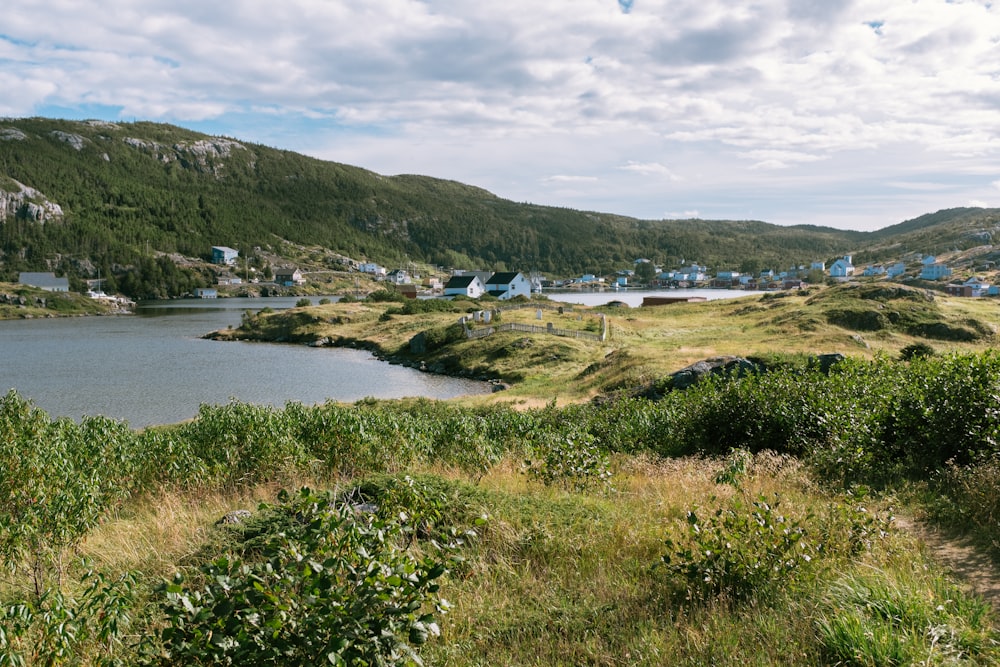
point(744, 520)
point(868, 320)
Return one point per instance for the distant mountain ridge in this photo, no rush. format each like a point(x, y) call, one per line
point(79, 195)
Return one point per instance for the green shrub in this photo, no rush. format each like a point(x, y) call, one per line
point(385, 295)
point(916, 351)
point(947, 411)
point(56, 629)
point(574, 462)
point(243, 444)
point(304, 302)
point(742, 551)
point(334, 586)
point(58, 480)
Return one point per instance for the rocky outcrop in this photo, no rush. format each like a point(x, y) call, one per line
point(206, 155)
point(27, 203)
point(74, 140)
point(735, 366)
point(12, 134)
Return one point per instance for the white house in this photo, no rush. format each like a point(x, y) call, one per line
point(817, 266)
point(372, 268)
point(398, 277)
point(470, 286)
point(289, 276)
point(842, 268)
point(506, 285)
point(935, 272)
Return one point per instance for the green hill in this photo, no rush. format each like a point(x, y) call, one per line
point(82, 196)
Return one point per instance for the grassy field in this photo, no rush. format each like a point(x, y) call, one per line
point(648, 342)
point(745, 521)
point(563, 577)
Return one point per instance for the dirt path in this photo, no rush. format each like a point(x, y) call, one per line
point(961, 557)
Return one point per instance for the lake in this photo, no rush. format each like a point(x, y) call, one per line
point(154, 368)
point(634, 297)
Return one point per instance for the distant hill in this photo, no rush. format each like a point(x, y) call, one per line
point(83, 196)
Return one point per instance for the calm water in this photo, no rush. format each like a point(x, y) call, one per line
point(154, 367)
point(634, 297)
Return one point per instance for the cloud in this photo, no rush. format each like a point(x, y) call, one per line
point(732, 97)
point(565, 178)
point(650, 169)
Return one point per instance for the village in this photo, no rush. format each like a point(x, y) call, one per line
point(644, 274)
point(505, 285)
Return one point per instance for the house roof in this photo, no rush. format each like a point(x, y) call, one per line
point(503, 278)
point(460, 282)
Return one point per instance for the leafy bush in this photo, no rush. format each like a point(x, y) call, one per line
point(385, 295)
point(334, 586)
point(304, 302)
point(916, 351)
point(57, 482)
point(57, 629)
point(242, 444)
point(741, 551)
point(948, 411)
point(573, 462)
point(435, 509)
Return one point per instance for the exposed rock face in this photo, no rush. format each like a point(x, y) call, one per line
point(74, 140)
point(203, 155)
point(689, 376)
point(12, 134)
point(28, 203)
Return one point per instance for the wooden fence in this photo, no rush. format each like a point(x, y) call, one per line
point(483, 332)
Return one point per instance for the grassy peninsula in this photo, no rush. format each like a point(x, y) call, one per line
point(24, 302)
point(760, 519)
point(642, 344)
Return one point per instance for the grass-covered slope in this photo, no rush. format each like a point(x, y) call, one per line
point(864, 320)
point(742, 521)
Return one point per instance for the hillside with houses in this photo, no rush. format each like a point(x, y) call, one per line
point(139, 207)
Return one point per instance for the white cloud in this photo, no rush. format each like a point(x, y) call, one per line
point(650, 169)
point(565, 178)
point(732, 97)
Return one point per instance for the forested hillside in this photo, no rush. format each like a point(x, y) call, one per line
point(82, 197)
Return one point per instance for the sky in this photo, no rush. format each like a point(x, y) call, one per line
point(854, 114)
